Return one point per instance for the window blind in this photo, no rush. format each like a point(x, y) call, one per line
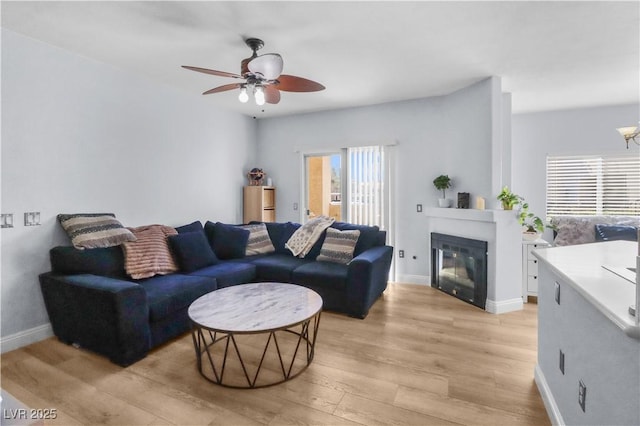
point(366, 185)
point(593, 185)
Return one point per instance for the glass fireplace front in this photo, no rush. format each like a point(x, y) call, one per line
point(459, 267)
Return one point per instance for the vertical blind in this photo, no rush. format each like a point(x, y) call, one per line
point(366, 189)
point(593, 185)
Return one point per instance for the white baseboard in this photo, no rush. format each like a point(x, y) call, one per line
point(26, 337)
point(503, 306)
point(414, 279)
point(547, 397)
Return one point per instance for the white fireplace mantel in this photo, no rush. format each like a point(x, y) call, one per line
point(470, 214)
point(503, 234)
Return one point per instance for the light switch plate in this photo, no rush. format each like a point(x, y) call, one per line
point(6, 220)
point(32, 218)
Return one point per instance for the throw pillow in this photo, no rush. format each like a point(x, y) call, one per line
point(338, 246)
point(92, 230)
point(192, 227)
point(227, 241)
point(616, 232)
point(259, 241)
point(369, 235)
point(149, 255)
point(192, 251)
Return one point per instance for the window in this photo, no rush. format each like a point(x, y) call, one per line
point(593, 185)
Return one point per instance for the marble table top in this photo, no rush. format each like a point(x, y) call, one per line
point(253, 308)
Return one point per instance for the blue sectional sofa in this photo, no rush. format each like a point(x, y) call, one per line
point(92, 303)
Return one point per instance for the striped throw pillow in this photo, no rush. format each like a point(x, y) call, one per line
point(149, 255)
point(338, 246)
point(259, 240)
point(93, 230)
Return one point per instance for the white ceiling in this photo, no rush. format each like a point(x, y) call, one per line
point(550, 55)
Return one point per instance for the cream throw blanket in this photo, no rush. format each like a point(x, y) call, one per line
point(306, 236)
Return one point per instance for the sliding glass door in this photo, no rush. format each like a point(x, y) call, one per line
point(323, 185)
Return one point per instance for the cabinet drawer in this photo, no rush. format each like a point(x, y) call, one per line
point(532, 267)
point(269, 216)
point(532, 284)
point(268, 198)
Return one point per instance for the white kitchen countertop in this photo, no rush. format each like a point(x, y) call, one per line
point(581, 267)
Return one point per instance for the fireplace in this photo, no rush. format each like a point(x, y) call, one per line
point(459, 267)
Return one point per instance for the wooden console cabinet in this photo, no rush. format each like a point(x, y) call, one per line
point(259, 204)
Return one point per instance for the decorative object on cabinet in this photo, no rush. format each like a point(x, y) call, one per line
point(256, 176)
point(259, 204)
point(463, 200)
point(532, 225)
point(530, 267)
point(442, 183)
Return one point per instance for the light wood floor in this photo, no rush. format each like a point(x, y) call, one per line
point(421, 357)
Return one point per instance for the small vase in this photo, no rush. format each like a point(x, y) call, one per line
point(444, 202)
point(506, 206)
point(530, 236)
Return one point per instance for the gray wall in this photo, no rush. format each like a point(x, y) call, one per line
point(443, 135)
point(81, 136)
point(568, 132)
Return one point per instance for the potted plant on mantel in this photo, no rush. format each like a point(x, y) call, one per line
point(509, 199)
point(442, 183)
point(533, 226)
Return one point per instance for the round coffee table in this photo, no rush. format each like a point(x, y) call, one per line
point(287, 316)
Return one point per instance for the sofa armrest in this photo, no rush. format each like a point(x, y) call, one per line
point(367, 278)
point(106, 315)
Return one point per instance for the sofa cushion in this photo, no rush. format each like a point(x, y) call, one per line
point(107, 261)
point(227, 241)
point(94, 230)
point(259, 241)
point(229, 273)
point(321, 274)
point(616, 232)
point(369, 235)
point(192, 251)
point(167, 294)
point(149, 255)
point(191, 227)
point(277, 267)
point(338, 246)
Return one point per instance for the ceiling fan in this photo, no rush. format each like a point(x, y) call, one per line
point(261, 75)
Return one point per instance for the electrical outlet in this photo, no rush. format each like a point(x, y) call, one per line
point(295, 206)
point(401, 253)
point(582, 395)
point(419, 208)
point(557, 292)
point(562, 361)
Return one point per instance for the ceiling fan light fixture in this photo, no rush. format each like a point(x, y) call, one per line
point(243, 96)
point(258, 93)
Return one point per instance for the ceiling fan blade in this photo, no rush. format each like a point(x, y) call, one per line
point(291, 83)
point(268, 65)
point(271, 94)
point(212, 72)
point(223, 88)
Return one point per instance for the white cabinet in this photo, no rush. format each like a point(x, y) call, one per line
point(530, 268)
